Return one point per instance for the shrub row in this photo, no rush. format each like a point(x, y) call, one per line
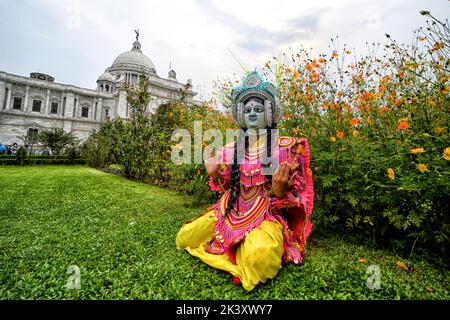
point(42, 160)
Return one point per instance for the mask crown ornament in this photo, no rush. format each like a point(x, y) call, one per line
point(253, 85)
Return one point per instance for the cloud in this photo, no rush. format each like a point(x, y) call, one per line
point(76, 40)
point(252, 37)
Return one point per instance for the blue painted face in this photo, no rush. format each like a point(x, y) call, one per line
point(254, 117)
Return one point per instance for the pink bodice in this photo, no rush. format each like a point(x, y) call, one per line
point(256, 203)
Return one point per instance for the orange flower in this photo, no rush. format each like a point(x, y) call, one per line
point(437, 46)
point(210, 108)
point(295, 75)
point(335, 54)
point(399, 101)
point(348, 52)
point(368, 95)
point(288, 115)
point(314, 64)
point(340, 134)
point(363, 260)
point(403, 125)
point(402, 266)
point(417, 150)
point(391, 173)
point(422, 167)
point(354, 121)
point(322, 60)
point(369, 120)
point(340, 93)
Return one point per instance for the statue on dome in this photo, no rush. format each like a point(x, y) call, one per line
point(137, 34)
point(262, 219)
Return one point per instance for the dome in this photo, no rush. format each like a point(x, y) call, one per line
point(133, 60)
point(172, 75)
point(106, 77)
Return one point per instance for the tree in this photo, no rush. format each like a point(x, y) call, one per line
point(134, 152)
point(56, 139)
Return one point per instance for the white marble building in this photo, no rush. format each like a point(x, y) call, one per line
point(34, 103)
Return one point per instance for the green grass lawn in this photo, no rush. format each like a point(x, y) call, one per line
point(121, 234)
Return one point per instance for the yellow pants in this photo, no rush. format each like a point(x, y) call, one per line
point(258, 257)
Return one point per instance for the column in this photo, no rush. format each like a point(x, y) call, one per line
point(98, 114)
point(122, 105)
point(68, 112)
point(8, 97)
point(47, 103)
point(60, 107)
point(75, 107)
point(27, 96)
point(2, 94)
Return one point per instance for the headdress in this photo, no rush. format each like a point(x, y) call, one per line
point(253, 85)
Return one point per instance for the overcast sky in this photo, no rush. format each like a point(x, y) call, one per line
point(76, 40)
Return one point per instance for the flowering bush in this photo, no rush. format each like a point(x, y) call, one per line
point(377, 128)
point(378, 131)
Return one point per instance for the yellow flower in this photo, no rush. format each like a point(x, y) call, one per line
point(355, 133)
point(391, 173)
point(417, 150)
point(439, 130)
point(333, 139)
point(447, 153)
point(445, 90)
point(422, 167)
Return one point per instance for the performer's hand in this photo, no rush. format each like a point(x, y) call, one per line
point(211, 163)
point(281, 182)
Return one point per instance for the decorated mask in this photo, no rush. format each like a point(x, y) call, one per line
point(254, 114)
point(254, 104)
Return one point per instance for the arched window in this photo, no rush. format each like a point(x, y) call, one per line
point(107, 88)
point(101, 87)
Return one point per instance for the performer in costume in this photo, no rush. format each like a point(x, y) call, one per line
point(261, 220)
